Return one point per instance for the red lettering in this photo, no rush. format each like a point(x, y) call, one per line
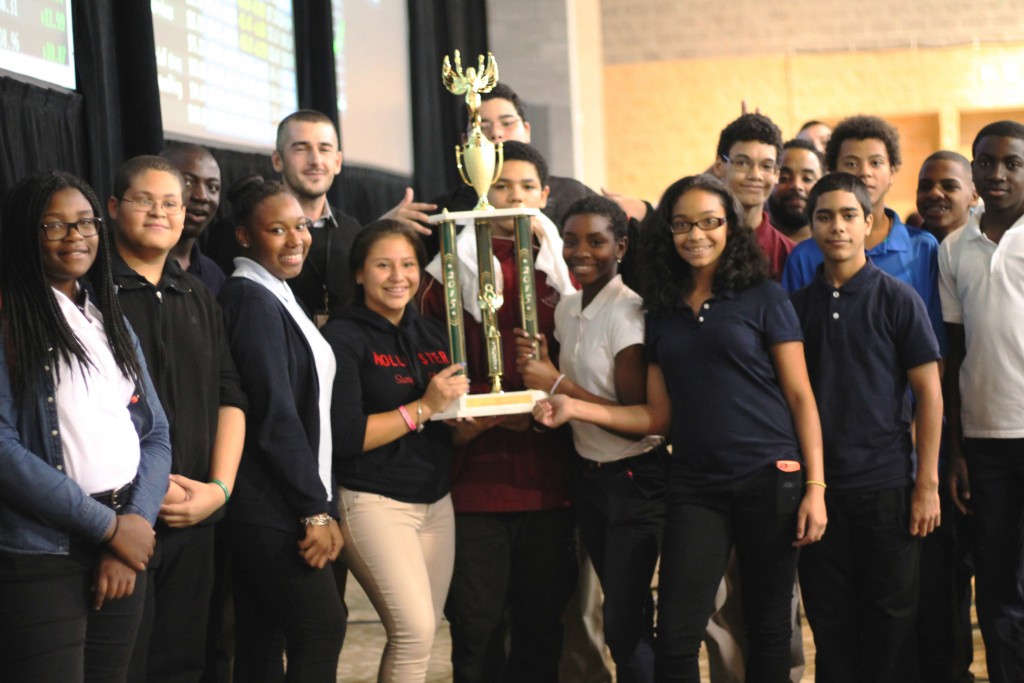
point(388, 360)
point(399, 379)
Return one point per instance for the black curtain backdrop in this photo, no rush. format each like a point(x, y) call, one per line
point(437, 28)
point(116, 112)
point(41, 131)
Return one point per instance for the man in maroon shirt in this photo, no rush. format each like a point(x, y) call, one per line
point(747, 161)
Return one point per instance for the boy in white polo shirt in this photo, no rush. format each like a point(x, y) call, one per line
point(981, 268)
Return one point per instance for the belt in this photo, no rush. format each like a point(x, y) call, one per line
point(115, 499)
point(624, 463)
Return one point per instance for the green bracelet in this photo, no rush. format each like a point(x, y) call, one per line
point(223, 486)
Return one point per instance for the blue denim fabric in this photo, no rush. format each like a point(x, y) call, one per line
point(40, 507)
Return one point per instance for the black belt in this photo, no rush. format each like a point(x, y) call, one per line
point(624, 463)
point(115, 499)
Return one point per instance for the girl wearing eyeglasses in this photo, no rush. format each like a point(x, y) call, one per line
point(84, 450)
point(282, 521)
point(726, 379)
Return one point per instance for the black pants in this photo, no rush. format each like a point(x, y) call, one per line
point(996, 470)
point(621, 511)
point(759, 518)
point(860, 586)
point(49, 630)
point(177, 608)
point(945, 644)
point(518, 568)
point(276, 591)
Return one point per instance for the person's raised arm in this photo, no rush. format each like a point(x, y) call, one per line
point(653, 417)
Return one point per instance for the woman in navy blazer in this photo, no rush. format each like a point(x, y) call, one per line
point(282, 518)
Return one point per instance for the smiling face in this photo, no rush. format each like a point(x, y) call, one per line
point(701, 249)
point(945, 193)
point(148, 233)
point(309, 158)
point(839, 226)
point(868, 160)
point(66, 260)
point(591, 251)
point(747, 172)
point(999, 173)
point(390, 276)
point(202, 194)
point(801, 168)
point(278, 236)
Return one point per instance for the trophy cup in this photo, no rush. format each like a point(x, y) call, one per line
point(479, 162)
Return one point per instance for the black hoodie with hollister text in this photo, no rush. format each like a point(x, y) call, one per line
point(380, 367)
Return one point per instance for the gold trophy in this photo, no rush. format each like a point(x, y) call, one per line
point(479, 162)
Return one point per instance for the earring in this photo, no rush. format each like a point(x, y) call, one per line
point(245, 245)
point(618, 260)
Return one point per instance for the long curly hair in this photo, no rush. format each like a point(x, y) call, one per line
point(35, 331)
point(666, 278)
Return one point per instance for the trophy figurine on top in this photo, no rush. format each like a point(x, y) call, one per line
point(479, 162)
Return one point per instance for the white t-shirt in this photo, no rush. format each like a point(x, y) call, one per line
point(323, 357)
point(590, 338)
point(101, 446)
point(981, 284)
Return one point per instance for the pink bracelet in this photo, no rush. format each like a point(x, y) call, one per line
point(408, 420)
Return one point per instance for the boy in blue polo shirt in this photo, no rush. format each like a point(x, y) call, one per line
point(867, 335)
point(869, 148)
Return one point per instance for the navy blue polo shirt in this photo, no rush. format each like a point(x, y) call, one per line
point(730, 419)
point(861, 339)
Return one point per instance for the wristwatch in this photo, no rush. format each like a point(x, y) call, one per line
point(323, 519)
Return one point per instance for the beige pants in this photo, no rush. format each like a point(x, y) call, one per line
point(402, 554)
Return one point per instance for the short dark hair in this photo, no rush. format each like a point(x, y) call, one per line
point(502, 92)
point(839, 182)
point(955, 157)
point(808, 124)
point(863, 127)
point(665, 276)
point(373, 233)
point(597, 205)
point(750, 128)
point(999, 129)
point(248, 192)
point(520, 151)
point(302, 116)
point(175, 148)
point(800, 143)
point(136, 166)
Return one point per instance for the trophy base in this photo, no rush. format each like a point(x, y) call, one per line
point(489, 405)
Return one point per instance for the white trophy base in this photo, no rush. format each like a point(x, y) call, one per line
point(487, 405)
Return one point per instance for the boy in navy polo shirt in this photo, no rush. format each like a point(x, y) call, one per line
point(867, 335)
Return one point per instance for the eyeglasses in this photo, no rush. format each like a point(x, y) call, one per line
point(746, 165)
point(681, 227)
point(55, 231)
point(505, 123)
point(146, 204)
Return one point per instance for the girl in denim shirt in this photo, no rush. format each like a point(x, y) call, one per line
point(84, 451)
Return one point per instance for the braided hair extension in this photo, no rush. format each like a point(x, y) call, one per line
point(35, 331)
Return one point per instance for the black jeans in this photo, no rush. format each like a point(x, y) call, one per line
point(621, 510)
point(180, 582)
point(996, 470)
point(49, 630)
point(759, 518)
point(516, 568)
point(860, 586)
point(276, 591)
